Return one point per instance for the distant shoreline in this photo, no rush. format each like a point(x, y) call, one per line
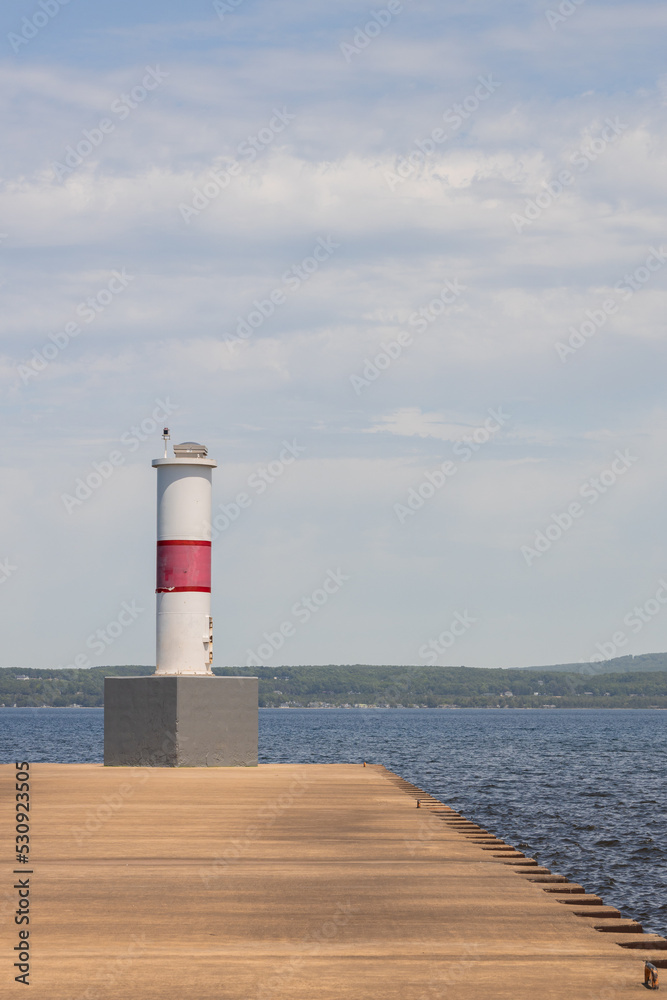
point(383, 708)
point(617, 684)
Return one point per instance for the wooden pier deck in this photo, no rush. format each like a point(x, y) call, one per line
point(307, 882)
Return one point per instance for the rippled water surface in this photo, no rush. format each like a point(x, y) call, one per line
point(582, 791)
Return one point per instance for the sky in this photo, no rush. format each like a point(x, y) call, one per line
point(401, 267)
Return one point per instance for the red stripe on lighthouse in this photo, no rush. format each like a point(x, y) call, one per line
point(183, 566)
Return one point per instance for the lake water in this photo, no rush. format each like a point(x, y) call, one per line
point(582, 791)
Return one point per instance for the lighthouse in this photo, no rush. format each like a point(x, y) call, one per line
point(183, 715)
point(184, 627)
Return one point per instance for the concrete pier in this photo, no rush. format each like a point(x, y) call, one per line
point(290, 881)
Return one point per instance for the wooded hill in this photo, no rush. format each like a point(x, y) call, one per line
point(362, 686)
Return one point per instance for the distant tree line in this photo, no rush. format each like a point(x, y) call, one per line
point(371, 686)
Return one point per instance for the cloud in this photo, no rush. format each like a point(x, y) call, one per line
point(411, 422)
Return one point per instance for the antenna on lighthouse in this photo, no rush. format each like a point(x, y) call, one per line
point(165, 437)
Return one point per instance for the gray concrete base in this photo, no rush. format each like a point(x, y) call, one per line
point(180, 721)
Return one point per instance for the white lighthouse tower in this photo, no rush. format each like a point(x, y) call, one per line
point(183, 584)
point(183, 715)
